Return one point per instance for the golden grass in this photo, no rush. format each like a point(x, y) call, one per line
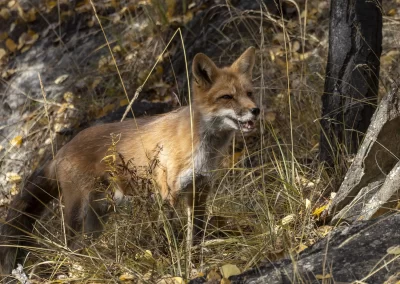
point(262, 204)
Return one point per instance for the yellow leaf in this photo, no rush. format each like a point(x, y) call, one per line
point(393, 250)
point(11, 45)
point(5, 13)
point(228, 270)
point(2, 53)
point(114, 3)
point(69, 97)
point(31, 15)
point(21, 12)
point(11, 3)
point(322, 277)
point(3, 36)
point(272, 55)
point(307, 203)
point(108, 108)
point(301, 248)
point(305, 55)
point(14, 189)
point(33, 37)
point(225, 281)
point(116, 49)
point(13, 177)
point(51, 4)
point(16, 141)
point(26, 48)
point(319, 210)
point(61, 79)
point(170, 8)
point(6, 74)
point(127, 277)
point(391, 12)
point(22, 40)
point(123, 102)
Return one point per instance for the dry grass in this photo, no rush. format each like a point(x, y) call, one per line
point(261, 207)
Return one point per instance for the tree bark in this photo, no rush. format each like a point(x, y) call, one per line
point(372, 183)
point(352, 77)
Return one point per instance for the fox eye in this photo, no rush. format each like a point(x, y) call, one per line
point(249, 94)
point(226, 97)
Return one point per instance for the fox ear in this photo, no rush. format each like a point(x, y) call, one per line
point(245, 63)
point(204, 70)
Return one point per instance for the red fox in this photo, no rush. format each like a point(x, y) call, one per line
point(186, 144)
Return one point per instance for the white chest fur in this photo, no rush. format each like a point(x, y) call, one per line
point(205, 160)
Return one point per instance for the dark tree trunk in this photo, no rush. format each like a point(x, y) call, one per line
point(352, 77)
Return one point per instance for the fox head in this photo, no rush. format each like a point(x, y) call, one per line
point(224, 96)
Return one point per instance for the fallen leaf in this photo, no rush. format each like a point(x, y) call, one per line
point(61, 79)
point(2, 53)
point(21, 12)
point(393, 250)
point(51, 4)
point(5, 13)
point(295, 46)
point(33, 37)
point(10, 44)
point(127, 277)
point(392, 12)
point(304, 56)
point(30, 16)
point(288, 219)
point(229, 270)
point(116, 49)
point(322, 277)
point(16, 141)
point(308, 203)
point(123, 102)
point(3, 36)
point(9, 72)
point(14, 189)
point(272, 55)
point(301, 247)
point(11, 3)
point(69, 97)
point(13, 177)
point(26, 48)
point(22, 39)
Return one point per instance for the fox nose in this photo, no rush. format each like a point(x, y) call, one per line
point(255, 111)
